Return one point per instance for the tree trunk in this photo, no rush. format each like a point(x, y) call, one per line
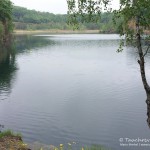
point(5, 36)
point(148, 110)
point(141, 60)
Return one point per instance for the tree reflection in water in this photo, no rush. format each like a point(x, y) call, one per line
point(7, 70)
point(8, 65)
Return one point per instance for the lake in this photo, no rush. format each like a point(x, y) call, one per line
point(73, 88)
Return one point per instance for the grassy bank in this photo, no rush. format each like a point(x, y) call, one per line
point(12, 141)
point(56, 32)
point(8, 133)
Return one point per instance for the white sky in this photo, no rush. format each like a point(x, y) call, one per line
point(53, 6)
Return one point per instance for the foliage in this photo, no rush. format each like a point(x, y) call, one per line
point(135, 12)
point(43, 20)
point(1, 31)
point(71, 147)
point(6, 25)
point(5, 10)
point(94, 147)
point(32, 19)
point(21, 14)
point(8, 133)
point(92, 10)
point(131, 12)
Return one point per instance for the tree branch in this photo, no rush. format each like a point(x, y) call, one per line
point(146, 51)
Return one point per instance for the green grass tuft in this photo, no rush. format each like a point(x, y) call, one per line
point(95, 147)
point(9, 133)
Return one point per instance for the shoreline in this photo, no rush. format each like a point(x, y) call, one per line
point(55, 31)
point(19, 32)
point(14, 141)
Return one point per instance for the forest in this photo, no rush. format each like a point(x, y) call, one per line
point(25, 19)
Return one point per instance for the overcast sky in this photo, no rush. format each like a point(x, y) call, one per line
point(53, 6)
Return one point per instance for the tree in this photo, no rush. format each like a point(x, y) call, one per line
point(6, 17)
point(135, 11)
point(134, 20)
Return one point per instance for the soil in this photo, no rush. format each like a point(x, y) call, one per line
point(12, 143)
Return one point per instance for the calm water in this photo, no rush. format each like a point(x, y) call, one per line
point(63, 88)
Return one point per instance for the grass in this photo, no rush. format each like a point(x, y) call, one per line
point(92, 147)
point(9, 133)
point(11, 141)
point(95, 147)
point(56, 31)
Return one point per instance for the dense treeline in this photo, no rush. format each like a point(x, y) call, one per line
point(34, 20)
point(6, 26)
point(25, 19)
point(22, 14)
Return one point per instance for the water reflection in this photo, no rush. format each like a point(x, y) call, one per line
point(132, 57)
point(7, 70)
point(8, 65)
point(68, 68)
point(24, 43)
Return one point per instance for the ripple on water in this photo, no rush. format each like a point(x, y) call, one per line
point(77, 88)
